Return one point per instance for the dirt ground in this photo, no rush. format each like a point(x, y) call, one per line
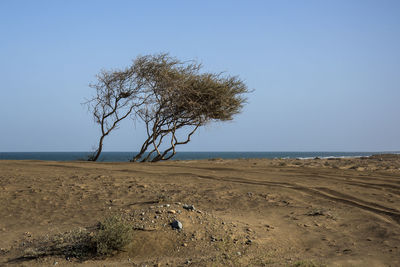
point(281, 212)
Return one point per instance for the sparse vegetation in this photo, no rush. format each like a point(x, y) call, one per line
point(113, 235)
point(110, 235)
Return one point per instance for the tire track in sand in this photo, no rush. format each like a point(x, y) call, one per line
point(319, 192)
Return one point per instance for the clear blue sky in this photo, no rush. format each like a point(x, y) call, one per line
point(326, 74)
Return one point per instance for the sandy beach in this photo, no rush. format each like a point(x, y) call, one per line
point(281, 212)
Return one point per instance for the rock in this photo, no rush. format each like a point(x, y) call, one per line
point(184, 245)
point(189, 207)
point(158, 211)
point(171, 211)
point(249, 241)
point(167, 205)
point(176, 225)
point(238, 253)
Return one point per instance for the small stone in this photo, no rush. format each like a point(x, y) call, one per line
point(249, 241)
point(176, 225)
point(184, 245)
point(158, 211)
point(171, 211)
point(55, 263)
point(238, 253)
point(188, 207)
point(142, 213)
point(167, 205)
point(347, 250)
point(178, 203)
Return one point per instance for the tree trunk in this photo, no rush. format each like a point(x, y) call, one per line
point(97, 153)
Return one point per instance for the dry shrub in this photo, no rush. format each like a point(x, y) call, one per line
point(112, 235)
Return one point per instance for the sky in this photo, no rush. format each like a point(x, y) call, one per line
point(325, 74)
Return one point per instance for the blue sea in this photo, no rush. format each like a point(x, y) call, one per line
point(126, 156)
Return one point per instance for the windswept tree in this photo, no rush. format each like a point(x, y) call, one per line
point(180, 98)
point(171, 97)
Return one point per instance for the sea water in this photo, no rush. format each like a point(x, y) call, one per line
point(126, 156)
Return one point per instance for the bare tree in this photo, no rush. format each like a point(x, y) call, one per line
point(181, 98)
point(118, 93)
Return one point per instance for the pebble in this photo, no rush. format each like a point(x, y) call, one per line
point(239, 253)
point(171, 211)
point(189, 207)
point(176, 225)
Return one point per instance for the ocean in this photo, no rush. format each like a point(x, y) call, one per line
point(126, 156)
